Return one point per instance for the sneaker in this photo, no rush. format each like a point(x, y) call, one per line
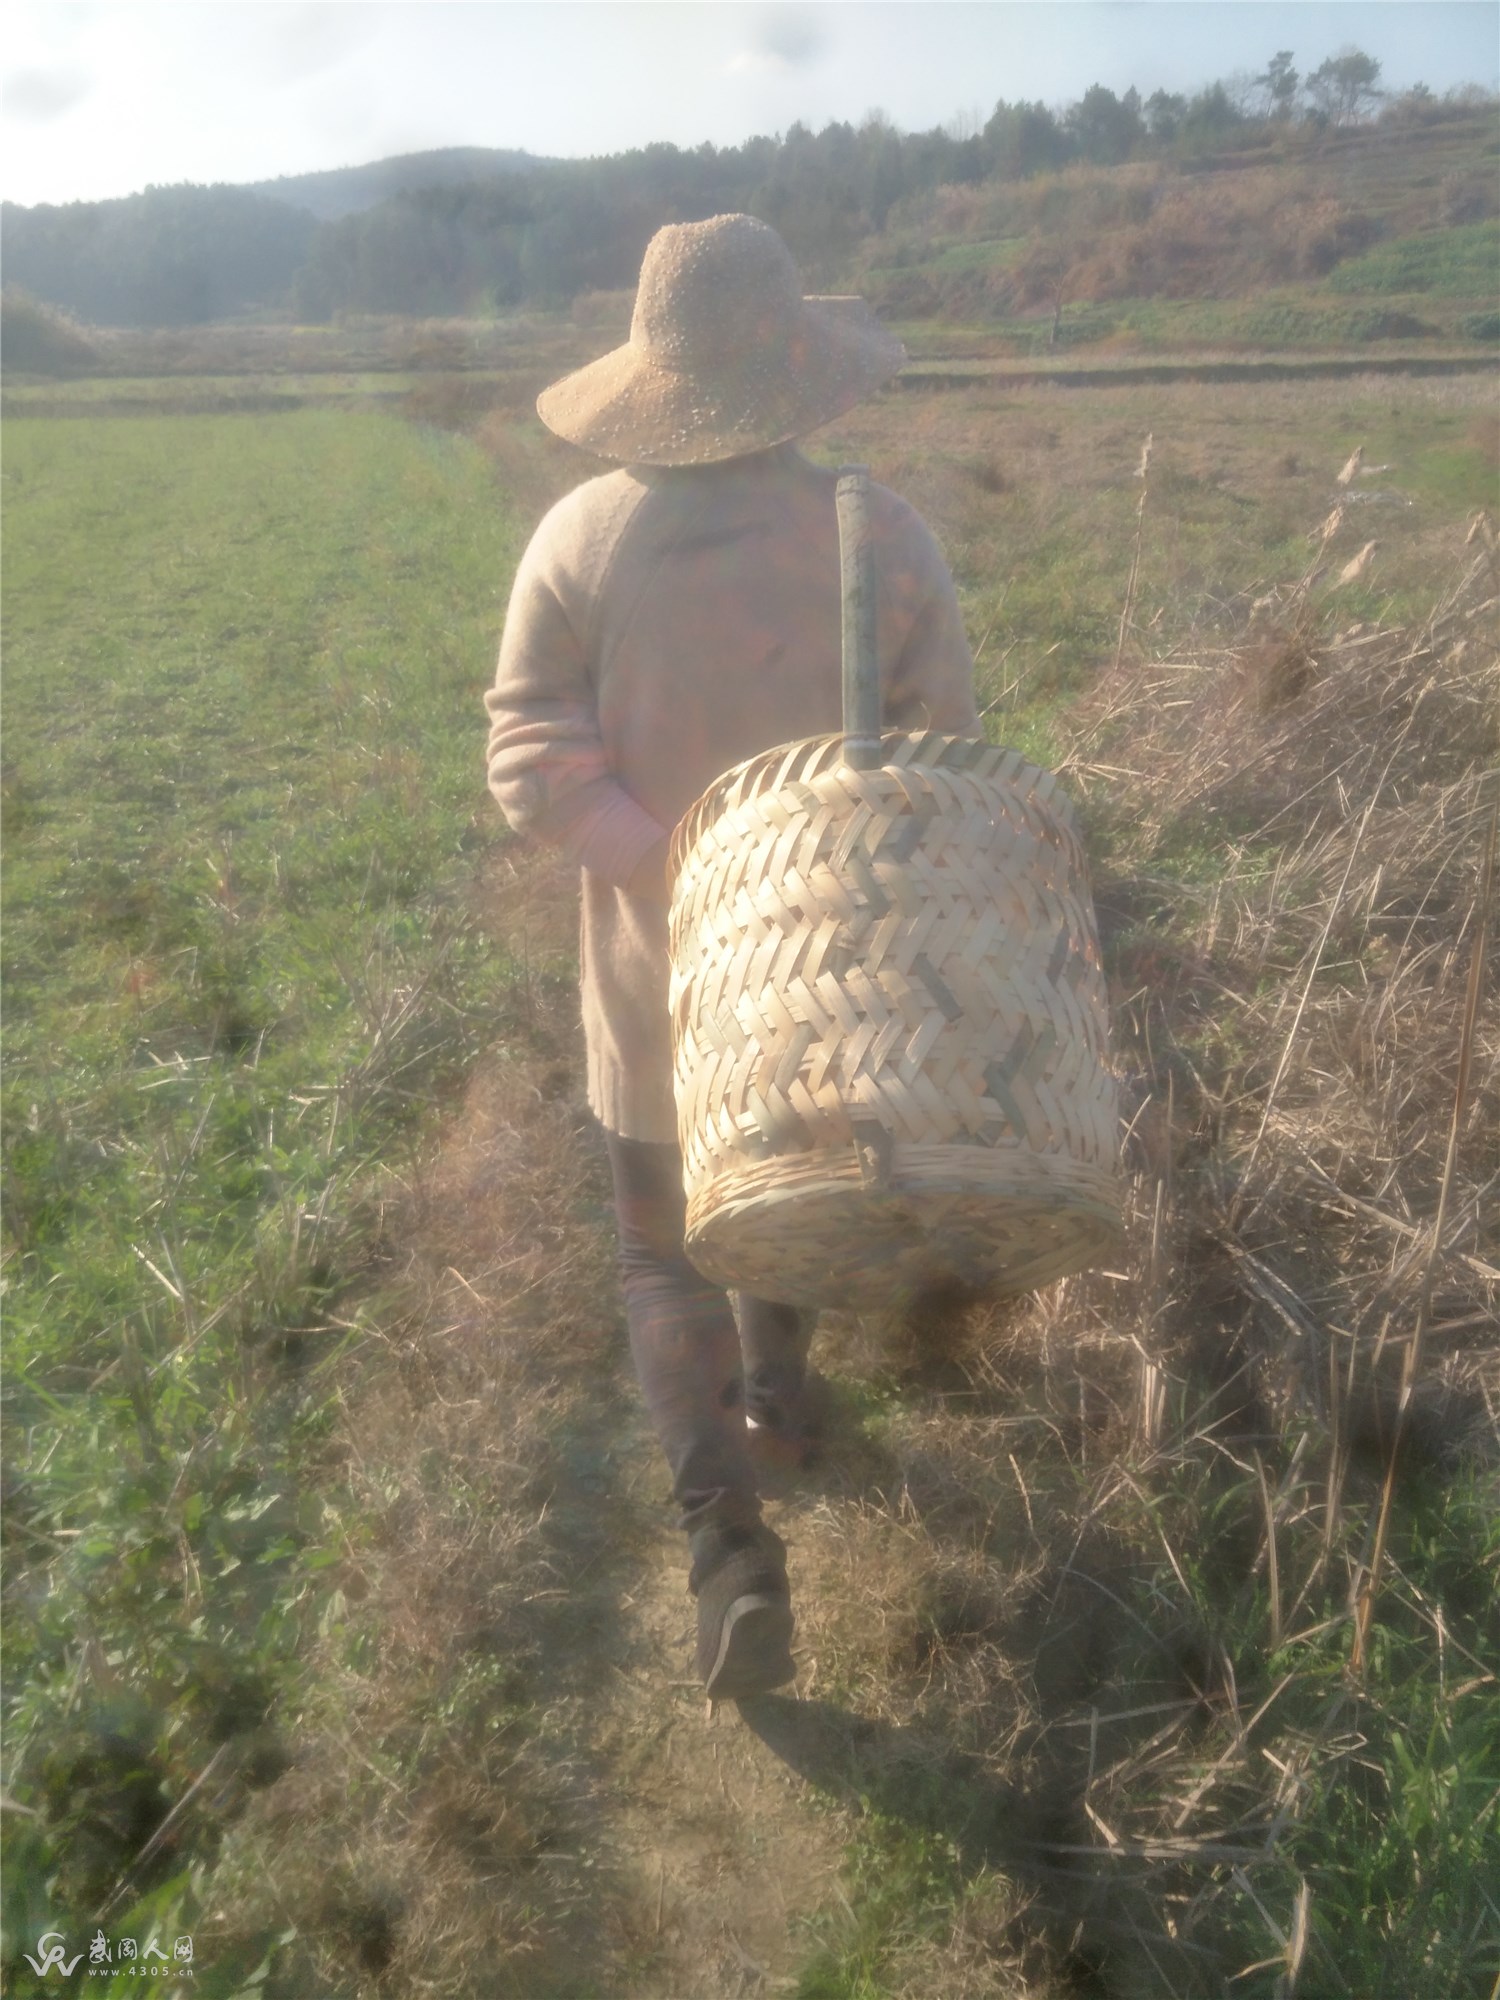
point(744, 1612)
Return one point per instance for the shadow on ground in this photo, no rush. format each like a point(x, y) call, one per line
point(909, 1775)
point(1097, 1912)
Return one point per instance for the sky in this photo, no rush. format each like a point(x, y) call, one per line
point(104, 97)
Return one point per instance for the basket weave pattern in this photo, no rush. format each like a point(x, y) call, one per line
point(890, 1025)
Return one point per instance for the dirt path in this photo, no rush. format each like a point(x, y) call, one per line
point(730, 1854)
point(692, 1856)
point(506, 1782)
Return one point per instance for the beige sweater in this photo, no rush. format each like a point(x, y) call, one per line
point(664, 625)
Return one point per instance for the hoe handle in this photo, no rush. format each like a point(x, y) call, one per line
point(862, 750)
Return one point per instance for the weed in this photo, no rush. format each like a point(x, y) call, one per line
point(901, 1887)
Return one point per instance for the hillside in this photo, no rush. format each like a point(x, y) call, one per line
point(188, 255)
point(1385, 233)
point(172, 256)
point(340, 191)
point(1232, 231)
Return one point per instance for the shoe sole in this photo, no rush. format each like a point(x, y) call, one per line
point(754, 1648)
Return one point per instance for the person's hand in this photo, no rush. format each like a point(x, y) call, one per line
point(649, 878)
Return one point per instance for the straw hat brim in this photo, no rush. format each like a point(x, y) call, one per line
point(634, 408)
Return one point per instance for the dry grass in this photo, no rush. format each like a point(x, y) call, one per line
point(1295, 830)
point(1036, 1565)
point(355, 344)
point(1329, 789)
point(412, 1836)
point(39, 339)
point(499, 1781)
point(431, 1820)
point(1227, 236)
point(1033, 495)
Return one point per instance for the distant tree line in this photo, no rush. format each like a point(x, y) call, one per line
point(494, 241)
point(173, 256)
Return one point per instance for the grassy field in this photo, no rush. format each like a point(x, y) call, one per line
point(241, 809)
point(1037, 493)
point(344, 1630)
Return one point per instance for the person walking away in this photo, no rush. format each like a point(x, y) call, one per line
point(669, 619)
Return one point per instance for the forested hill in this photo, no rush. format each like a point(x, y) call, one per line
point(1038, 208)
point(340, 191)
point(173, 256)
point(179, 256)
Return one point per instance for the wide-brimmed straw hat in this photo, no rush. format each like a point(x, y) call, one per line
point(725, 355)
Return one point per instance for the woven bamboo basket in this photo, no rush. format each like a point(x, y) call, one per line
point(890, 1026)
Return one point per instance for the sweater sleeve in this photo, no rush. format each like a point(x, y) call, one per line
point(932, 685)
point(548, 768)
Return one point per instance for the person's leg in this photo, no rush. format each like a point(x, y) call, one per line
point(786, 1402)
point(687, 1359)
point(774, 1341)
point(682, 1340)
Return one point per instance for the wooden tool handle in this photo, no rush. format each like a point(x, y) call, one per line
point(862, 750)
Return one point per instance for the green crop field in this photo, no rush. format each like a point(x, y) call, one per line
point(242, 807)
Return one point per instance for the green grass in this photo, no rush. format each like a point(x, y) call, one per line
point(89, 390)
point(991, 255)
point(1461, 262)
point(901, 1885)
point(243, 803)
point(1394, 1816)
point(1388, 1816)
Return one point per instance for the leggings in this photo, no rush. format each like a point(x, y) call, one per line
point(703, 1363)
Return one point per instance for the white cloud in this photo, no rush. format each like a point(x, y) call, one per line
point(43, 94)
point(793, 33)
point(782, 39)
point(757, 62)
point(303, 40)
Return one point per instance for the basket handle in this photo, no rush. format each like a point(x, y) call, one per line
point(862, 751)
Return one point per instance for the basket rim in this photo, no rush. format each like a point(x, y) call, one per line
point(808, 757)
point(923, 1234)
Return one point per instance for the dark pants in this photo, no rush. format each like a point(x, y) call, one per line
point(699, 1374)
